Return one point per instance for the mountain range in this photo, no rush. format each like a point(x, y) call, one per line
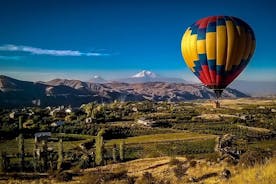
point(17, 93)
point(252, 88)
point(148, 76)
point(255, 88)
point(140, 77)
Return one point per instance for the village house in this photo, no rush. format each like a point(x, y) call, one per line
point(58, 112)
point(88, 120)
point(58, 123)
point(146, 122)
point(68, 110)
point(12, 115)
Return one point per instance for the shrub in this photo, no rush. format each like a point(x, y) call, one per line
point(120, 174)
point(102, 177)
point(174, 161)
point(147, 178)
point(84, 162)
point(193, 163)
point(180, 170)
point(205, 176)
point(258, 156)
point(97, 178)
point(64, 176)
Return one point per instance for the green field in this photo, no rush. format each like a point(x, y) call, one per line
point(138, 146)
point(266, 144)
point(161, 138)
point(170, 144)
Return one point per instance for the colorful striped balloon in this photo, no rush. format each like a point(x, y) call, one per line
point(217, 49)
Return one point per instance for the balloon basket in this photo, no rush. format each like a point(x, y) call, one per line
point(216, 104)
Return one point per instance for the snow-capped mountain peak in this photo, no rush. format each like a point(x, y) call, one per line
point(145, 74)
point(98, 79)
point(148, 76)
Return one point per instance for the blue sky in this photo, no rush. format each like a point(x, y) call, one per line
point(42, 40)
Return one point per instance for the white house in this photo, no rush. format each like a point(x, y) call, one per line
point(145, 122)
point(88, 120)
point(68, 110)
point(58, 123)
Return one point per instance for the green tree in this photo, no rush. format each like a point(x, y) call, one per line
point(44, 155)
point(60, 154)
point(88, 108)
point(99, 147)
point(2, 169)
point(21, 143)
point(122, 150)
point(35, 158)
point(4, 162)
point(114, 153)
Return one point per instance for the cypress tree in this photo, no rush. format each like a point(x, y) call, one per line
point(1, 163)
point(35, 159)
point(21, 143)
point(44, 155)
point(122, 150)
point(4, 162)
point(60, 154)
point(99, 147)
point(114, 153)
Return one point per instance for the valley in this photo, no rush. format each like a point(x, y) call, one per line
point(142, 142)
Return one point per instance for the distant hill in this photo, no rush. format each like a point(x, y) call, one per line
point(17, 93)
point(255, 88)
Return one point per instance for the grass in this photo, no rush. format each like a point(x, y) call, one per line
point(161, 169)
point(161, 138)
point(259, 174)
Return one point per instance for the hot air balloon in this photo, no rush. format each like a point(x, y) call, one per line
point(217, 49)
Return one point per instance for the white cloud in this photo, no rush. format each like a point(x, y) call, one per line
point(51, 52)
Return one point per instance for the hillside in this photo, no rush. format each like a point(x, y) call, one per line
point(163, 169)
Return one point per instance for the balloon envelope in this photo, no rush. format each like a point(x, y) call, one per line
point(217, 49)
